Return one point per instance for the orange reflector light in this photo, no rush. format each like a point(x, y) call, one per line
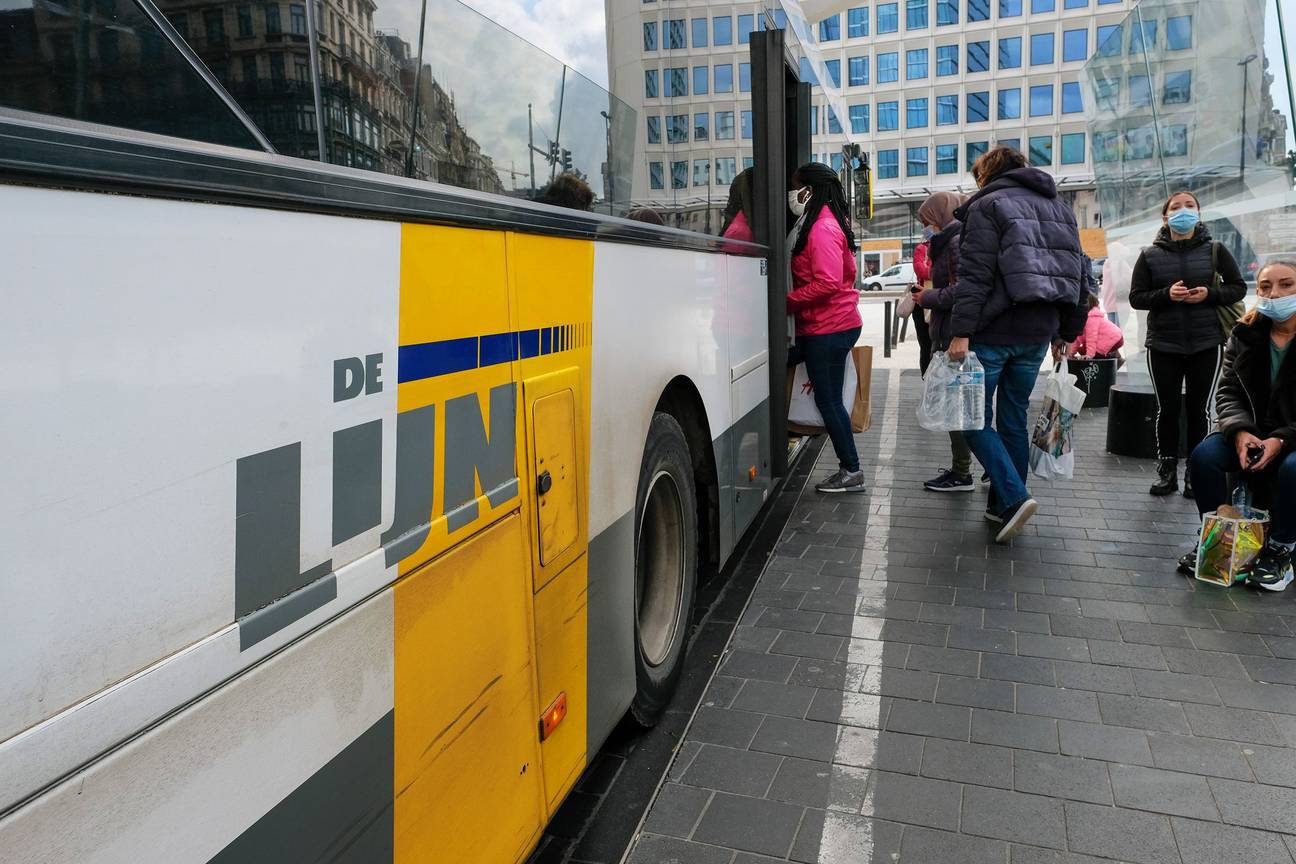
point(751, 473)
point(553, 715)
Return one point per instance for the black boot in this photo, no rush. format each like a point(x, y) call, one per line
point(1167, 477)
point(1187, 485)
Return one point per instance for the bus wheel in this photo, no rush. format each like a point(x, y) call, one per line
point(666, 546)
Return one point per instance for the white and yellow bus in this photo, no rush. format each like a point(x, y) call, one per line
point(344, 514)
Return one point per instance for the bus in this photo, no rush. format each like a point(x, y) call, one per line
point(351, 497)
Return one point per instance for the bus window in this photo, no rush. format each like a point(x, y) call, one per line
point(260, 54)
point(106, 62)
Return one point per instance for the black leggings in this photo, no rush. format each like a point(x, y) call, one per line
point(923, 334)
point(1169, 372)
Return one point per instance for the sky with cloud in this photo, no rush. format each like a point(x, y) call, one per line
point(571, 30)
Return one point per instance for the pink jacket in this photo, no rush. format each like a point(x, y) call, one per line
point(823, 296)
point(739, 229)
point(1101, 338)
point(922, 262)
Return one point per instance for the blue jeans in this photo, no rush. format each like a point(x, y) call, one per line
point(1004, 451)
point(825, 357)
point(1273, 488)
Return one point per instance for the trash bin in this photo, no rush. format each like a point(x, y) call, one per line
point(1096, 378)
point(1131, 422)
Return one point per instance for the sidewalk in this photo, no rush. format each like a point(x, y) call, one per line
point(903, 690)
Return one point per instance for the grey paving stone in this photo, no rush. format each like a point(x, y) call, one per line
point(851, 709)
point(981, 764)
point(981, 639)
point(1170, 792)
point(1052, 647)
point(1278, 698)
point(1234, 643)
point(956, 615)
point(1165, 635)
point(1108, 743)
point(676, 810)
point(1061, 777)
point(687, 751)
point(1057, 702)
point(1012, 816)
point(927, 845)
point(1024, 670)
point(1270, 670)
point(723, 726)
point(1212, 843)
point(1256, 805)
point(765, 697)
point(763, 667)
point(1113, 610)
point(1175, 686)
point(1084, 628)
point(807, 645)
point(1140, 713)
point(1202, 756)
point(1126, 835)
point(726, 769)
point(840, 838)
point(887, 751)
point(721, 691)
point(1125, 654)
point(948, 661)
point(1020, 622)
point(925, 718)
point(1212, 663)
point(901, 683)
point(1035, 855)
point(749, 824)
point(1090, 676)
point(1014, 730)
point(654, 849)
point(820, 785)
point(1232, 724)
point(915, 632)
point(976, 692)
point(914, 800)
point(787, 736)
point(1273, 765)
point(789, 619)
point(754, 639)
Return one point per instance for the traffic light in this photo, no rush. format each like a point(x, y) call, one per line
point(566, 161)
point(863, 186)
point(552, 158)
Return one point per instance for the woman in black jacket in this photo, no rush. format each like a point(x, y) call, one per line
point(1175, 280)
point(1257, 423)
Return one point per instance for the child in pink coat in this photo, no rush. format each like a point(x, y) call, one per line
point(1101, 339)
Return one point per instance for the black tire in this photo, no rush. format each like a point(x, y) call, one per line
point(666, 549)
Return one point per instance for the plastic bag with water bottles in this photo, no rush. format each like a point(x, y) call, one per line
point(953, 394)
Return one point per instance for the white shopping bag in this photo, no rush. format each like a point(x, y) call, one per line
point(802, 410)
point(1052, 451)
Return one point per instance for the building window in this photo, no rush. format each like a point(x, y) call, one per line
point(699, 32)
point(1041, 49)
point(978, 56)
point(723, 77)
point(1142, 38)
point(656, 176)
point(1010, 53)
point(722, 30)
point(1178, 88)
point(277, 67)
point(745, 25)
point(857, 20)
point(1010, 8)
point(654, 129)
point(650, 35)
point(1108, 43)
point(677, 129)
point(1043, 6)
point(1072, 102)
point(1107, 91)
point(830, 29)
point(978, 10)
point(745, 124)
point(916, 14)
point(1179, 33)
point(1041, 150)
point(888, 17)
point(1076, 4)
point(888, 164)
point(1174, 140)
point(834, 71)
point(916, 64)
point(1073, 148)
point(1014, 143)
point(947, 110)
point(1010, 104)
point(245, 21)
point(1075, 45)
point(273, 24)
point(679, 174)
point(834, 125)
point(701, 172)
point(650, 83)
point(857, 71)
point(916, 113)
point(677, 79)
point(1140, 91)
point(947, 12)
point(1105, 146)
point(978, 106)
point(1041, 100)
point(749, 162)
point(726, 168)
point(700, 76)
point(975, 150)
point(888, 116)
point(724, 125)
point(1107, 2)
point(859, 119)
point(701, 126)
point(916, 162)
point(744, 77)
point(814, 120)
point(888, 67)
point(946, 60)
point(946, 158)
point(807, 74)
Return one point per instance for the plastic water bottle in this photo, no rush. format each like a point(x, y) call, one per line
point(1242, 498)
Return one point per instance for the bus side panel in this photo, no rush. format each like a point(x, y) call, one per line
point(747, 439)
point(285, 763)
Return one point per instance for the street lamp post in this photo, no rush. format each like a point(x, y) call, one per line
point(608, 179)
point(1242, 146)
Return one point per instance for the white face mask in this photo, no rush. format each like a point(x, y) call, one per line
point(795, 204)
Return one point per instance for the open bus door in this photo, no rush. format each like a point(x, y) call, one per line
point(781, 144)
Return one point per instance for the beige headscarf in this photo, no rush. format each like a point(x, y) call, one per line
point(939, 209)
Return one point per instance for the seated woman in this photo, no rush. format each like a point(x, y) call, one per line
point(1256, 404)
point(1101, 339)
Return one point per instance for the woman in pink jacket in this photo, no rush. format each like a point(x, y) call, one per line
point(826, 305)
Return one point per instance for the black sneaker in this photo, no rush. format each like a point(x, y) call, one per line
point(1272, 571)
point(985, 476)
point(1015, 519)
point(1188, 563)
point(993, 517)
point(1187, 486)
point(948, 481)
point(1167, 478)
point(843, 481)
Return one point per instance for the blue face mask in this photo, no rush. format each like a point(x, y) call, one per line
point(928, 233)
point(1277, 308)
point(1183, 221)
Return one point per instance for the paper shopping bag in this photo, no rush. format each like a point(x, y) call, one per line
point(803, 414)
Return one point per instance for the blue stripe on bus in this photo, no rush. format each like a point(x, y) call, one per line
point(433, 359)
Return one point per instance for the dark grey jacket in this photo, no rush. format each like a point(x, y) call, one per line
point(1245, 400)
point(1019, 271)
point(1184, 328)
point(943, 252)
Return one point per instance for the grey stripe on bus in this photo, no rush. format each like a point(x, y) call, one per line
point(472, 453)
point(357, 480)
point(609, 634)
point(267, 528)
point(415, 479)
point(341, 814)
point(284, 611)
point(749, 443)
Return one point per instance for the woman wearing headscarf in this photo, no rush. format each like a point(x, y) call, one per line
point(826, 305)
point(937, 216)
